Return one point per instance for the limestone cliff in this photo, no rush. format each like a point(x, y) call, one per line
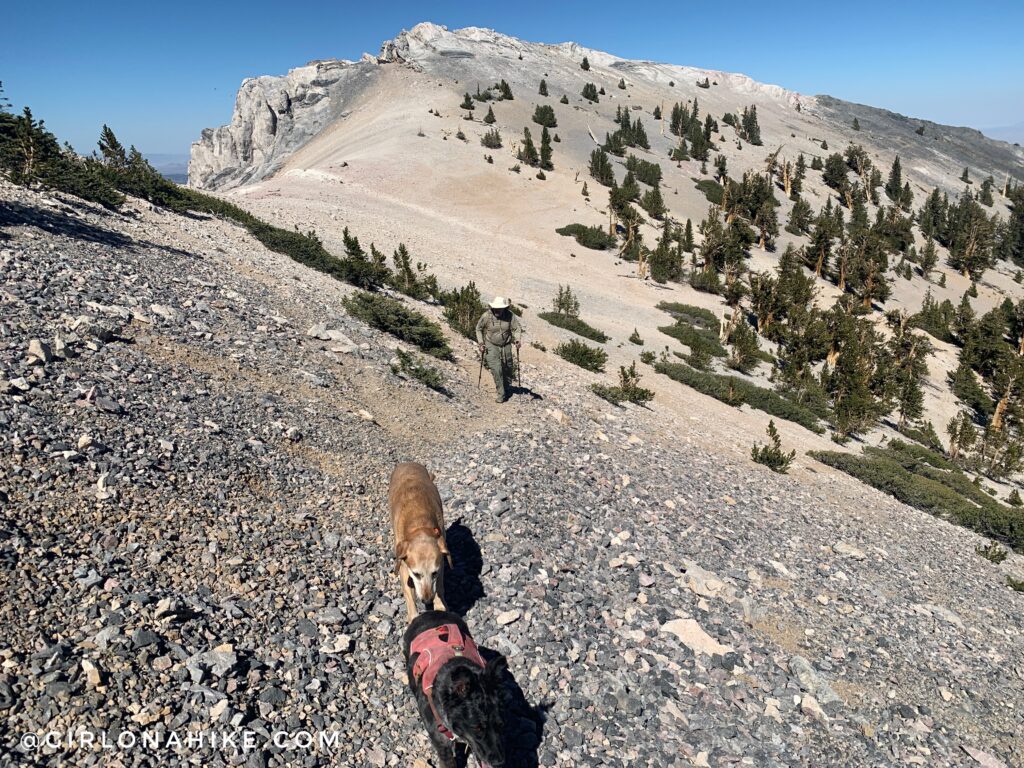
point(273, 117)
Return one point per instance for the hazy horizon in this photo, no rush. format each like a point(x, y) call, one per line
point(173, 77)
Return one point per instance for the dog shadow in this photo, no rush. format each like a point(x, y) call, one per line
point(462, 585)
point(524, 723)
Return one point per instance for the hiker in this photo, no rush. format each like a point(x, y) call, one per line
point(496, 331)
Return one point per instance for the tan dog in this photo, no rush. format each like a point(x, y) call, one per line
point(420, 547)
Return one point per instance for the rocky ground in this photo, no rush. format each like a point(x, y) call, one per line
point(193, 540)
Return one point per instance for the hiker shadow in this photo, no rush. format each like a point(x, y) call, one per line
point(526, 391)
point(462, 585)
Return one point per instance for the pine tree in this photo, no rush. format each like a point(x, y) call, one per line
point(679, 152)
point(491, 139)
point(800, 218)
point(564, 99)
point(543, 91)
point(544, 115)
point(686, 241)
point(467, 104)
point(545, 149)
point(720, 168)
point(601, 168)
point(856, 124)
point(585, 65)
point(111, 149)
point(657, 112)
point(962, 434)
point(772, 455)
point(585, 191)
point(666, 261)
point(929, 257)
point(766, 221)
point(653, 203)
point(528, 152)
point(622, 84)
point(750, 130)
point(489, 118)
point(894, 186)
point(985, 196)
point(590, 92)
point(745, 353)
point(566, 303)
point(965, 176)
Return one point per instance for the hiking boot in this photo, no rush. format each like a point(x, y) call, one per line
point(499, 399)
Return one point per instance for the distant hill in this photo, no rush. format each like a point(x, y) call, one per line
point(172, 166)
point(1011, 133)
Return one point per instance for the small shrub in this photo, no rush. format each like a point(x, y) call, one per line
point(589, 237)
point(695, 338)
point(391, 316)
point(1017, 585)
point(948, 495)
point(565, 302)
point(992, 552)
point(491, 139)
point(515, 168)
point(648, 357)
point(628, 391)
point(460, 135)
point(712, 190)
point(706, 282)
point(634, 338)
point(1014, 499)
point(544, 115)
point(575, 325)
point(425, 374)
point(578, 353)
point(538, 345)
point(462, 309)
point(564, 99)
point(734, 391)
point(772, 455)
point(541, 176)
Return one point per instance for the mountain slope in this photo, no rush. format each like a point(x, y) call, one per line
point(194, 539)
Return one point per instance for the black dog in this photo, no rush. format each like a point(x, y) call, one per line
point(456, 693)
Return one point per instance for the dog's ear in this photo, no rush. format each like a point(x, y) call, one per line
point(462, 681)
point(443, 546)
point(401, 552)
point(495, 668)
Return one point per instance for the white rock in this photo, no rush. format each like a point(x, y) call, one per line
point(694, 637)
point(507, 617)
point(848, 550)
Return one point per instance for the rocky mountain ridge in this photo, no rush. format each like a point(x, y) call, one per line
point(275, 116)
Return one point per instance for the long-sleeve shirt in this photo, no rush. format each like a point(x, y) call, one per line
point(500, 330)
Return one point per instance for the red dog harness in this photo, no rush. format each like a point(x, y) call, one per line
point(436, 647)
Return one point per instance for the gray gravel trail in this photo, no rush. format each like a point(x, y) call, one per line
point(193, 540)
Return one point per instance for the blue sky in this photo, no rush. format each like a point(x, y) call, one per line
point(158, 73)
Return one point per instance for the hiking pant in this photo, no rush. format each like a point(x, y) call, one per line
point(501, 364)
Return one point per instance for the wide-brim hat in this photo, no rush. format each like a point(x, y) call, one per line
point(500, 302)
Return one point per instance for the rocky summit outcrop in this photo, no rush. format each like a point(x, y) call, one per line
point(273, 117)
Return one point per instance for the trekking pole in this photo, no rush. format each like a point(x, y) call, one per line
point(519, 368)
point(480, 375)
